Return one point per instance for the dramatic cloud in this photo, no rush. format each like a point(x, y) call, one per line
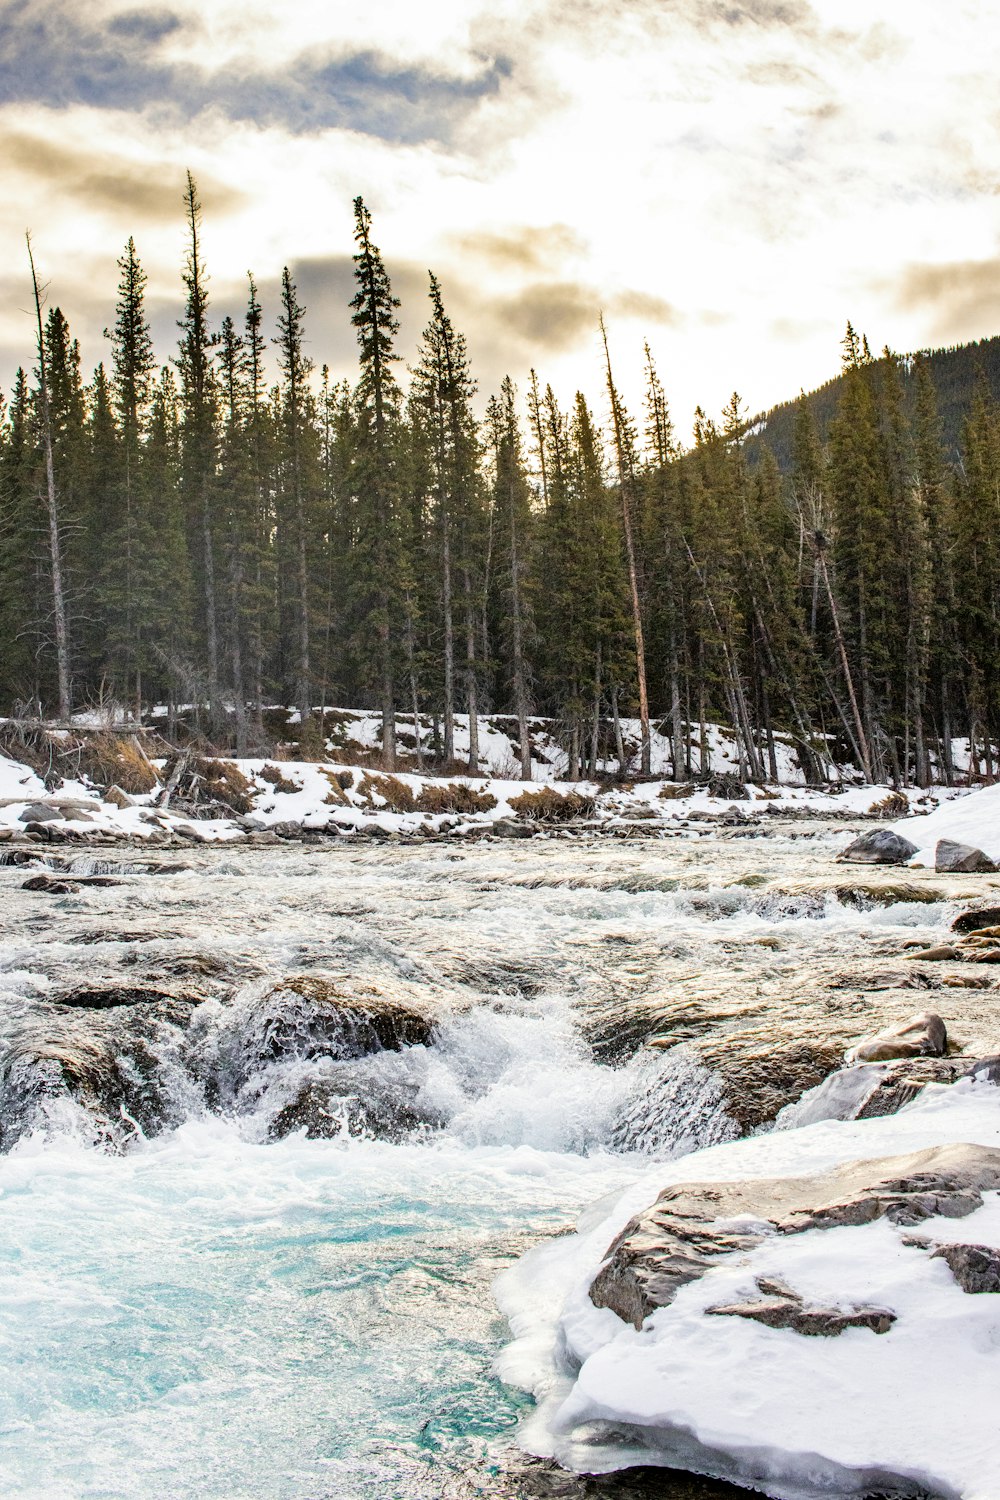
point(731, 180)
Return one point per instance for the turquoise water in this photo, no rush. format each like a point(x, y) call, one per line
point(207, 1317)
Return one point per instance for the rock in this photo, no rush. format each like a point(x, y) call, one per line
point(105, 1061)
point(117, 797)
point(961, 859)
point(682, 1235)
point(40, 812)
point(64, 885)
point(976, 1268)
point(977, 919)
point(940, 953)
point(780, 1307)
point(506, 828)
point(903, 1080)
point(360, 1105)
point(287, 828)
point(107, 997)
point(987, 1070)
point(880, 846)
point(922, 1035)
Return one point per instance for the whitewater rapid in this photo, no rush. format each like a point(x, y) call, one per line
point(200, 1310)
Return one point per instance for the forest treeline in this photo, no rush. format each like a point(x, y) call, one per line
point(196, 534)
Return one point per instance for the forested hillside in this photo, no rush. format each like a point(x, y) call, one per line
point(194, 534)
point(957, 374)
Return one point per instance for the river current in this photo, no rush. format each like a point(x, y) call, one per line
point(192, 1307)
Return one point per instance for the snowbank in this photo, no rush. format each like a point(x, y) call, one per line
point(972, 819)
point(795, 1416)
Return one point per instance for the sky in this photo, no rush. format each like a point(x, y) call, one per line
point(729, 182)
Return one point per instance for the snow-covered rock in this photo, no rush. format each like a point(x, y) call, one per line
point(906, 1412)
point(970, 819)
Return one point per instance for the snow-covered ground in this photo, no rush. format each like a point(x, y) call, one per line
point(796, 1417)
point(973, 819)
point(338, 797)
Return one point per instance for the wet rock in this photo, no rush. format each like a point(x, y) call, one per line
point(880, 846)
point(683, 1234)
point(961, 859)
point(921, 1035)
point(780, 1307)
point(976, 920)
point(759, 1075)
point(308, 1017)
point(65, 885)
point(987, 1070)
point(903, 1080)
point(940, 953)
point(353, 1104)
point(107, 997)
point(976, 1268)
point(103, 1061)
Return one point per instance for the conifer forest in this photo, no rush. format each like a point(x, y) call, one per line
point(195, 534)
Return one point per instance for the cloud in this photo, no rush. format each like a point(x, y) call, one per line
point(49, 55)
point(524, 247)
point(960, 299)
point(106, 183)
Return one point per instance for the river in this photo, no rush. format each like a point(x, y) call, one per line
point(194, 1308)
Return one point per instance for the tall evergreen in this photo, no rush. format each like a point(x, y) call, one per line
point(377, 398)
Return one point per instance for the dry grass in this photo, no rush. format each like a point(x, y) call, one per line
point(671, 790)
point(113, 760)
point(335, 796)
point(454, 798)
point(274, 778)
point(893, 805)
point(395, 795)
point(549, 806)
point(221, 781)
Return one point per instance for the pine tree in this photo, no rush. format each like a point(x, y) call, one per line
point(378, 414)
point(512, 508)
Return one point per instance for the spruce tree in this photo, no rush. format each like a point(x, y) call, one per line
point(377, 397)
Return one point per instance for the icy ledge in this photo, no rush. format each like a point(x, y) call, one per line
point(910, 1411)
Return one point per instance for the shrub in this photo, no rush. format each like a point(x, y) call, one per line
point(454, 798)
point(396, 795)
point(893, 805)
point(549, 806)
point(673, 789)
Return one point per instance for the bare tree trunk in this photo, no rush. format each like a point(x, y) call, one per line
point(619, 742)
point(838, 635)
point(55, 540)
point(471, 695)
point(449, 642)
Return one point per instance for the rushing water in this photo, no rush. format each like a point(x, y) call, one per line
point(194, 1308)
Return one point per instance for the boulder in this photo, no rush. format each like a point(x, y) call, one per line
point(940, 953)
point(780, 1307)
point(64, 885)
point(880, 846)
point(40, 812)
point(901, 1081)
point(961, 859)
point(691, 1225)
point(922, 1035)
point(977, 920)
point(976, 1268)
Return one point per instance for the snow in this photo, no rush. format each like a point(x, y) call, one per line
point(795, 1416)
point(972, 819)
